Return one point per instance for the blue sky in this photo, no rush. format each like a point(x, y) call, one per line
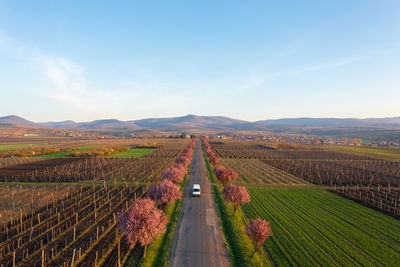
point(252, 60)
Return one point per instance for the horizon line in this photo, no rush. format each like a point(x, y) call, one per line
point(280, 118)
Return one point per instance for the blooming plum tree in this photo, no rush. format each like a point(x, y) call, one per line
point(174, 174)
point(236, 195)
point(142, 222)
point(164, 193)
point(258, 230)
point(215, 160)
point(224, 175)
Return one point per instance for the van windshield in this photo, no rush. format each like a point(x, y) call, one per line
point(196, 190)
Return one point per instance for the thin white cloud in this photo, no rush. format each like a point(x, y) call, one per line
point(60, 79)
point(330, 65)
point(70, 86)
point(340, 62)
point(143, 93)
point(8, 44)
point(65, 82)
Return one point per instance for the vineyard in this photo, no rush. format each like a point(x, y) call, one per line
point(311, 198)
point(9, 162)
point(143, 169)
point(79, 227)
point(373, 182)
point(13, 198)
point(242, 150)
point(386, 199)
point(255, 171)
point(79, 148)
point(372, 173)
point(64, 211)
point(68, 229)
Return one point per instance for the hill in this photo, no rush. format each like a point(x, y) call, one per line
point(97, 124)
point(369, 129)
point(193, 122)
point(334, 122)
point(15, 120)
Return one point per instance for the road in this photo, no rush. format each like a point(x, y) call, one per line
point(198, 242)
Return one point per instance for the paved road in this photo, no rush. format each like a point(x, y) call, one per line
point(199, 238)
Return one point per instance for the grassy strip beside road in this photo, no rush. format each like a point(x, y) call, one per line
point(239, 245)
point(314, 226)
point(159, 250)
point(133, 153)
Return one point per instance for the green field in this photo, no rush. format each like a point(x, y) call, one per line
point(317, 227)
point(16, 146)
point(133, 153)
point(64, 153)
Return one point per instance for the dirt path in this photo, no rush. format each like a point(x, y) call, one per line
point(199, 238)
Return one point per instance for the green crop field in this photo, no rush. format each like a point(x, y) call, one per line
point(133, 153)
point(317, 227)
point(64, 153)
point(16, 146)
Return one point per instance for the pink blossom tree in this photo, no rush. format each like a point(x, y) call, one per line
point(142, 223)
point(236, 195)
point(183, 159)
point(209, 152)
point(231, 175)
point(174, 174)
point(225, 176)
point(215, 160)
point(219, 171)
point(258, 230)
point(178, 170)
point(164, 193)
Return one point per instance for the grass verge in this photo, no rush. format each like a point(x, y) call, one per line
point(157, 253)
point(238, 243)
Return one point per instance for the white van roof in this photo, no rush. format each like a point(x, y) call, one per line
point(196, 186)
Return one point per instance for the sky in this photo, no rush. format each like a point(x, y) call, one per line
point(250, 60)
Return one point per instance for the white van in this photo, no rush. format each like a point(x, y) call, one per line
point(196, 190)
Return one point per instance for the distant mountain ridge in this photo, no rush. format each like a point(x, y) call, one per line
point(97, 124)
point(335, 122)
point(15, 120)
point(192, 122)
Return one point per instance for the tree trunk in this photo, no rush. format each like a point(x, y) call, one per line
point(234, 210)
point(252, 254)
point(256, 248)
point(144, 253)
